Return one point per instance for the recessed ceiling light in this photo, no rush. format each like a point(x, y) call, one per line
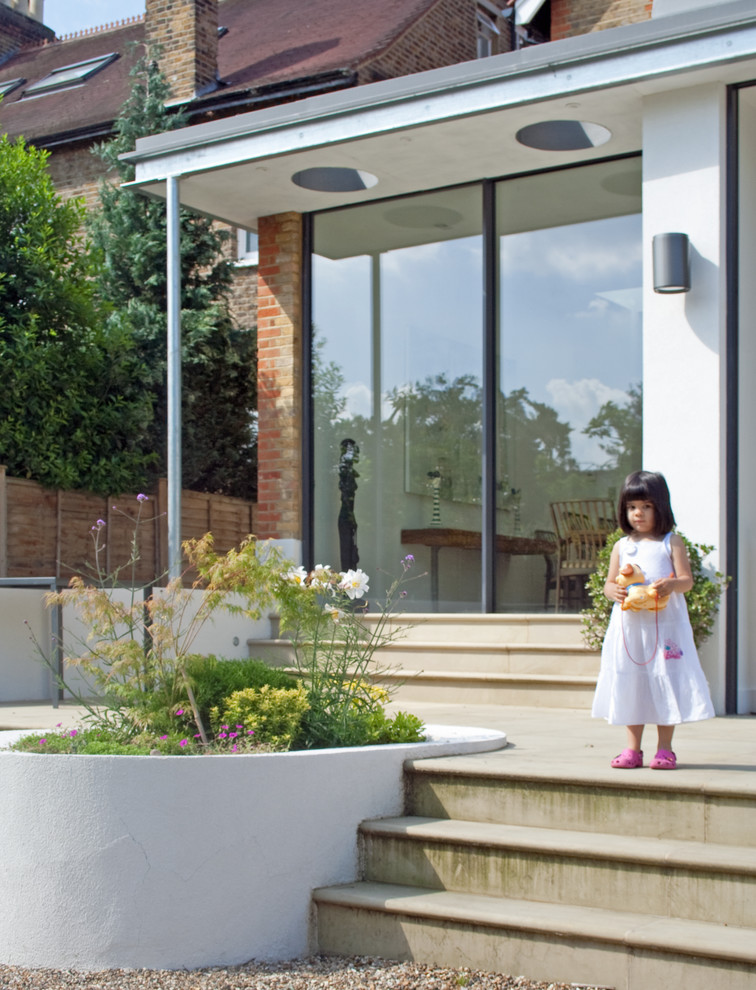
point(563, 135)
point(329, 179)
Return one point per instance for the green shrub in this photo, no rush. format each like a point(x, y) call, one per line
point(215, 678)
point(273, 714)
point(702, 599)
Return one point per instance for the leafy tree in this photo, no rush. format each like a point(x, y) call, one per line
point(69, 416)
point(218, 361)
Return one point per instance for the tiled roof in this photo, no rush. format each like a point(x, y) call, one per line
point(268, 43)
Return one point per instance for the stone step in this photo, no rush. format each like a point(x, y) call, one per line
point(502, 658)
point(561, 942)
point(475, 688)
point(691, 880)
point(561, 629)
point(695, 806)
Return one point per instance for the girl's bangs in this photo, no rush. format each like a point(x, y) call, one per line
point(638, 491)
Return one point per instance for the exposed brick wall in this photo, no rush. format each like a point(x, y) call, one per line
point(573, 17)
point(445, 35)
point(279, 377)
point(76, 172)
point(243, 298)
point(19, 29)
point(187, 33)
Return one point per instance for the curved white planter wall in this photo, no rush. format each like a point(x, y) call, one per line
point(184, 862)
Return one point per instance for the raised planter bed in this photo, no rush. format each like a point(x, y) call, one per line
point(183, 862)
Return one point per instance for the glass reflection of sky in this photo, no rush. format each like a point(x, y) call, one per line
point(570, 299)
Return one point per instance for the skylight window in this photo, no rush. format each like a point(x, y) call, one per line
point(8, 85)
point(69, 75)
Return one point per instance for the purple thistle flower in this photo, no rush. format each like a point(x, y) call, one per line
point(142, 497)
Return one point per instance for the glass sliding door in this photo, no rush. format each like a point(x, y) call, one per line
point(570, 361)
point(397, 373)
point(400, 336)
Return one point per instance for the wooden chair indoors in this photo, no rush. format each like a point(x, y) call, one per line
point(582, 526)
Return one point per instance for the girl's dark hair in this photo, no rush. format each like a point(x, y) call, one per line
point(647, 486)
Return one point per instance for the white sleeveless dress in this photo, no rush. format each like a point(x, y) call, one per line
point(651, 674)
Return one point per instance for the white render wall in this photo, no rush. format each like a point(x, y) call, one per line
point(170, 862)
point(23, 676)
point(684, 387)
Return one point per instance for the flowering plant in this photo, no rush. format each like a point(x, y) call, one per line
point(335, 644)
point(136, 655)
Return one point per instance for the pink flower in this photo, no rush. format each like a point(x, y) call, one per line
point(42, 742)
point(164, 737)
point(183, 742)
point(180, 711)
point(72, 733)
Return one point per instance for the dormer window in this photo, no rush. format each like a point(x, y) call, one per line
point(8, 85)
point(69, 75)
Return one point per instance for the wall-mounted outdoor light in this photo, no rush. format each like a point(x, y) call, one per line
point(671, 263)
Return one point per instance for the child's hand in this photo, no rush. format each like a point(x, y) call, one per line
point(616, 594)
point(664, 585)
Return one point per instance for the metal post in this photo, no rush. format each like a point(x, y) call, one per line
point(174, 375)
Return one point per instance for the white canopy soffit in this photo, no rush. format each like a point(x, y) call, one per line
point(451, 125)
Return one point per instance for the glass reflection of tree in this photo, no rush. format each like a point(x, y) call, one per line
point(619, 432)
point(442, 430)
point(436, 423)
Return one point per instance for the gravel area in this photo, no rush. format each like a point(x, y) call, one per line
point(329, 973)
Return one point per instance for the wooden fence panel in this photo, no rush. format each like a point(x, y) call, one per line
point(47, 533)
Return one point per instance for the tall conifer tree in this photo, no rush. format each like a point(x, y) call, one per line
point(218, 360)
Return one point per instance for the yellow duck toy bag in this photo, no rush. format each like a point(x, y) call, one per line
point(640, 595)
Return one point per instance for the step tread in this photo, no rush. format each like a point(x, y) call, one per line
point(673, 853)
point(699, 781)
point(483, 677)
point(460, 646)
point(591, 924)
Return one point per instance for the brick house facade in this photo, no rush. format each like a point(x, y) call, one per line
point(222, 59)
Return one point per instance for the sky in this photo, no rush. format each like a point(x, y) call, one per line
point(65, 17)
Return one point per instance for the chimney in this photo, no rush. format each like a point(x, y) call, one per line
point(187, 33)
point(21, 24)
point(31, 8)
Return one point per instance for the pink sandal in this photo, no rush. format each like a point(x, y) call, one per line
point(665, 759)
point(628, 759)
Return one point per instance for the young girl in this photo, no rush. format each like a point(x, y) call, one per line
point(650, 671)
